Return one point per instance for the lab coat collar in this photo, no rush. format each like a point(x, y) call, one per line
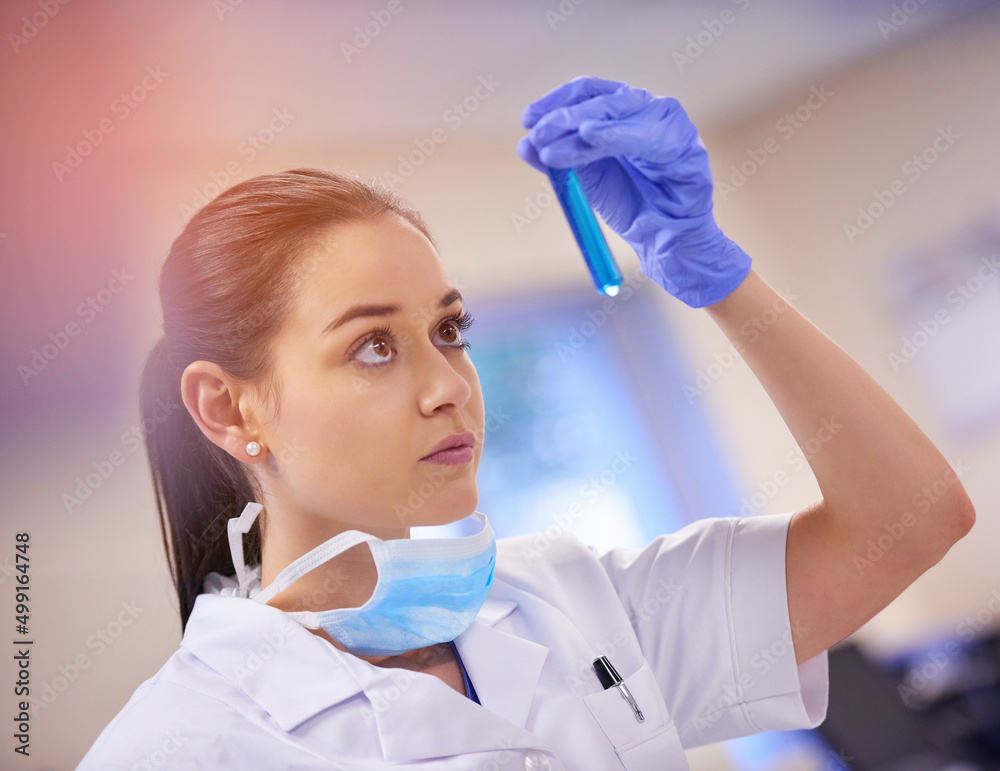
point(504, 670)
point(290, 672)
point(294, 675)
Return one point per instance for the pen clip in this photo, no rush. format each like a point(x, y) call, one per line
point(610, 678)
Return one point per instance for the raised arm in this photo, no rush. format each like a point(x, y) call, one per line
point(892, 505)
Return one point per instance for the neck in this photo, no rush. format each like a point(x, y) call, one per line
point(345, 581)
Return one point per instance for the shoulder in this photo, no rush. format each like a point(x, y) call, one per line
point(556, 553)
point(207, 706)
point(177, 714)
point(547, 563)
point(596, 589)
point(710, 549)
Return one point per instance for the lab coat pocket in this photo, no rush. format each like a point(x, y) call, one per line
point(651, 744)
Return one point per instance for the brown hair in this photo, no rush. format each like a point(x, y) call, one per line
point(225, 288)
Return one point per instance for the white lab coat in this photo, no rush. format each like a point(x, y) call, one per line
point(696, 624)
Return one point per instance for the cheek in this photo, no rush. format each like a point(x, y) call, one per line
point(337, 432)
point(476, 407)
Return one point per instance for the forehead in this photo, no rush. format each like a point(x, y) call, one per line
point(383, 261)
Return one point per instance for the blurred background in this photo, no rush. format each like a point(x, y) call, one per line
point(855, 157)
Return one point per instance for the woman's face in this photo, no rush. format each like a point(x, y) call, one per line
point(372, 375)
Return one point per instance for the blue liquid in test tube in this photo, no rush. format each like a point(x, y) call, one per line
point(603, 268)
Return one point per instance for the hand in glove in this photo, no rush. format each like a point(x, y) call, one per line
point(645, 170)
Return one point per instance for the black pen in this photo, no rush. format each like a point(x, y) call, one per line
point(610, 678)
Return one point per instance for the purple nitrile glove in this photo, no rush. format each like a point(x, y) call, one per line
point(645, 170)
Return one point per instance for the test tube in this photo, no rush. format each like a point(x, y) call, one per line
point(603, 268)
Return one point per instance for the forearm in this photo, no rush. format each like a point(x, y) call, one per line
point(877, 471)
point(859, 443)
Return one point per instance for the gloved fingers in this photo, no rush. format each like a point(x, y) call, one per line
point(605, 107)
point(557, 139)
point(568, 152)
point(571, 152)
point(613, 192)
point(658, 133)
point(577, 90)
point(660, 162)
point(529, 153)
point(685, 184)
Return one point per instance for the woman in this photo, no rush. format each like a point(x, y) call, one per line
point(318, 347)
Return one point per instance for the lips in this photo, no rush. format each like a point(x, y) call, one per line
point(455, 442)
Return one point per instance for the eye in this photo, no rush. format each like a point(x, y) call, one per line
point(450, 332)
point(376, 350)
point(451, 329)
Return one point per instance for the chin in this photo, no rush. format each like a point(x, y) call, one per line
point(452, 503)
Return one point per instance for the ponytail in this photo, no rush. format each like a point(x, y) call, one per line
point(199, 483)
point(225, 289)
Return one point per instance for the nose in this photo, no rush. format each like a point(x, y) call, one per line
point(443, 386)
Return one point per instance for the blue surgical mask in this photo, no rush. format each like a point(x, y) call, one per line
point(429, 590)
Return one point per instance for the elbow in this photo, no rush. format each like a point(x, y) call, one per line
point(953, 523)
point(964, 517)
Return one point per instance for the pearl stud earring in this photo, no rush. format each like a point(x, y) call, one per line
point(253, 449)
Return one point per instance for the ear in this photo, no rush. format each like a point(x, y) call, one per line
point(213, 398)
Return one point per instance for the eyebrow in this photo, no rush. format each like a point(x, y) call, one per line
point(362, 311)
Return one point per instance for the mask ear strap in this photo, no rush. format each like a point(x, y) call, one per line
point(312, 560)
point(237, 527)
